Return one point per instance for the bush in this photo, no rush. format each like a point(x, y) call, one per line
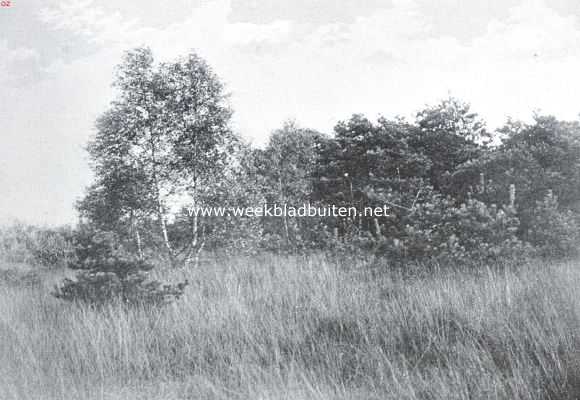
point(554, 233)
point(118, 281)
point(472, 233)
point(111, 274)
point(52, 247)
point(36, 246)
point(15, 244)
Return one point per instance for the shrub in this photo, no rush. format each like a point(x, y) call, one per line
point(472, 233)
point(36, 246)
point(117, 280)
point(15, 244)
point(110, 274)
point(553, 232)
point(52, 247)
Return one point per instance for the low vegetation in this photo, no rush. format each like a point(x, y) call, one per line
point(275, 327)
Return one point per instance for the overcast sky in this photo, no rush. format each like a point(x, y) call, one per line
point(317, 61)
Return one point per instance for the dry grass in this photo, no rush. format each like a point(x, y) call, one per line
point(291, 328)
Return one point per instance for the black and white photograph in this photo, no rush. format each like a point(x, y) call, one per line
point(290, 200)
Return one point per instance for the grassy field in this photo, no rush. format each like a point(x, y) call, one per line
point(301, 328)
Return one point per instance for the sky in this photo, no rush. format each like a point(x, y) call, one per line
point(314, 61)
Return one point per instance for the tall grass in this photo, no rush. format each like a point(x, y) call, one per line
point(303, 328)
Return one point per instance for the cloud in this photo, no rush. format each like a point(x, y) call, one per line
point(532, 28)
point(391, 60)
point(276, 32)
point(83, 17)
point(387, 61)
point(381, 57)
point(16, 64)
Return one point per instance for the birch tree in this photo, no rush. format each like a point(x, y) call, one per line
point(161, 141)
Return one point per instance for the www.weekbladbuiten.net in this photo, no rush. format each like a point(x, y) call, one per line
point(285, 210)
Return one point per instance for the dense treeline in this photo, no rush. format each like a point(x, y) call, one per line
point(165, 145)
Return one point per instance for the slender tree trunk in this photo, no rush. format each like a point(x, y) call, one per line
point(512, 195)
point(135, 230)
point(160, 214)
point(139, 246)
point(197, 241)
point(199, 249)
point(194, 239)
point(166, 241)
point(286, 230)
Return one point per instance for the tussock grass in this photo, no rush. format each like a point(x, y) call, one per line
point(304, 328)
